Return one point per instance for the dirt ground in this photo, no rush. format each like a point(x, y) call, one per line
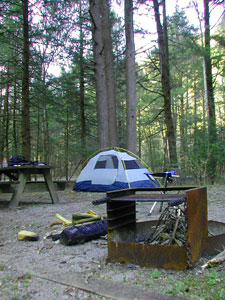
point(48, 270)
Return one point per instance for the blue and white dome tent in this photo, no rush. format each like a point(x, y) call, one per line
point(113, 169)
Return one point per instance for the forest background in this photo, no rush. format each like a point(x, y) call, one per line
point(171, 112)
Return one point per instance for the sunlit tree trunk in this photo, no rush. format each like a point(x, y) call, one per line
point(182, 131)
point(15, 134)
point(81, 79)
point(4, 147)
point(46, 136)
point(130, 79)
point(110, 86)
point(165, 80)
point(66, 142)
point(2, 135)
point(26, 143)
point(6, 117)
point(100, 78)
point(38, 152)
point(212, 131)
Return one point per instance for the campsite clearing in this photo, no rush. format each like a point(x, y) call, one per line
point(48, 270)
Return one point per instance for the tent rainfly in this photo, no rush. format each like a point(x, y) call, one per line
point(113, 169)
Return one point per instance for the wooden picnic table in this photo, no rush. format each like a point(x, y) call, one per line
point(20, 176)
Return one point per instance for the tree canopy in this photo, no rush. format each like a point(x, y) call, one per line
point(54, 117)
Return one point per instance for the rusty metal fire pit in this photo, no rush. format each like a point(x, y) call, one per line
point(123, 228)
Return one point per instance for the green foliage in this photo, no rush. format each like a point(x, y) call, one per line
point(55, 35)
point(178, 287)
point(156, 274)
point(2, 267)
point(10, 286)
point(208, 286)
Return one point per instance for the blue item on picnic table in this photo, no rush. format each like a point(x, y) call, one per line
point(162, 174)
point(19, 160)
point(172, 172)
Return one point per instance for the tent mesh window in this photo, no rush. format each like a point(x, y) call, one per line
point(107, 162)
point(133, 164)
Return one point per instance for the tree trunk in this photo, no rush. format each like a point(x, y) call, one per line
point(4, 147)
point(46, 136)
point(130, 79)
point(165, 80)
point(82, 98)
point(110, 86)
point(210, 97)
point(26, 143)
point(182, 123)
point(6, 118)
point(139, 133)
point(100, 78)
point(38, 137)
point(196, 137)
point(2, 131)
point(66, 153)
point(15, 139)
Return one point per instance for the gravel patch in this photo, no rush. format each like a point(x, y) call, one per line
point(19, 259)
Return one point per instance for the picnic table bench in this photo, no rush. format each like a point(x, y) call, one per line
point(19, 182)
